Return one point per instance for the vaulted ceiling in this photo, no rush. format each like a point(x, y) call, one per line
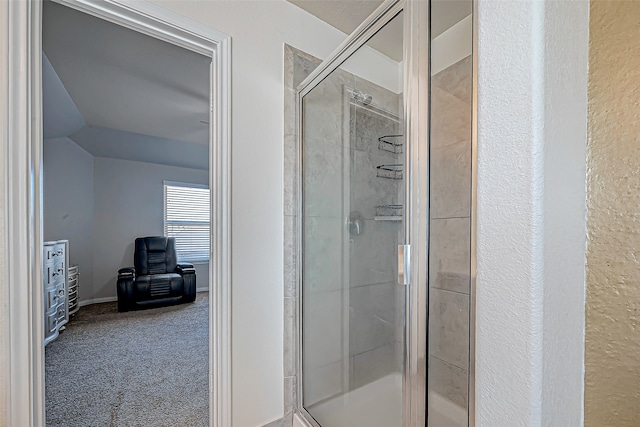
point(118, 93)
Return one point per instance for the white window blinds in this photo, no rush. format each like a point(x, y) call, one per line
point(187, 217)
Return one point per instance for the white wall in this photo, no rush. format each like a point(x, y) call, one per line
point(452, 45)
point(565, 152)
point(376, 68)
point(259, 29)
point(101, 205)
point(532, 105)
point(68, 204)
point(129, 203)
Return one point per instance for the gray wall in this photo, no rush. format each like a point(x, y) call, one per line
point(375, 300)
point(450, 236)
point(68, 204)
point(325, 308)
point(129, 203)
point(101, 205)
point(350, 337)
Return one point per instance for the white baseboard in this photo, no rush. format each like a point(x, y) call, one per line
point(97, 301)
point(112, 299)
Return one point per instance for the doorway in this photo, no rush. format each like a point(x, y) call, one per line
point(25, 360)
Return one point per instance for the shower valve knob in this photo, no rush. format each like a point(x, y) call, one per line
point(355, 223)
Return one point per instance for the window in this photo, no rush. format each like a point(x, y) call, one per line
point(187, 217)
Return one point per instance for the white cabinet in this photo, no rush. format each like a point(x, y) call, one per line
point(55, 279)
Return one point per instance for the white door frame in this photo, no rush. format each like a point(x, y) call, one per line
point(21, 194)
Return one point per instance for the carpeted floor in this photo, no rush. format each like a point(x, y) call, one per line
point(147, 368)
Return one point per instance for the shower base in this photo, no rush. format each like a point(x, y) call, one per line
point(379, 404)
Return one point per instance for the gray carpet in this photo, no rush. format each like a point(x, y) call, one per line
point(146, 368)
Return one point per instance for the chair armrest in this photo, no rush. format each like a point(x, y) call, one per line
point(126, 272)
point(185, 268)
point(124, 288)
point(185, 265)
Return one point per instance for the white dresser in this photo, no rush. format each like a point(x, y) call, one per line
point(55, 280)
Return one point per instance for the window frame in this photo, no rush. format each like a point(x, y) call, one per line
point(164, 216)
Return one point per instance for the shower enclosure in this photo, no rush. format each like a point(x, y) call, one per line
point(385, 223)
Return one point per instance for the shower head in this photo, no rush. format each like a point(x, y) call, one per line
point(364, 98)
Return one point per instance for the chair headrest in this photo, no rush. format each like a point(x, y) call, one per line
point(155, 243)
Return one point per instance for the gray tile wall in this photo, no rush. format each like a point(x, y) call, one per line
point(375, 349)
point(373, 304)
point(364, 315)
point(450, 234)
point(297, 66)
point(325, 315)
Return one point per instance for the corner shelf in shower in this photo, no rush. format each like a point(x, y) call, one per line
point(389, 213)
point(387, 218)
point(391, 143)
point(390, 171)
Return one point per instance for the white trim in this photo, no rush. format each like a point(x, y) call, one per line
point(185, 184)
point(21, 146)
point(21, 138)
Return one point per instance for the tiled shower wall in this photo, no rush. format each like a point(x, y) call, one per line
point(450, 240)
point(325, 306)
point(297, 66)
point(450, 235)
point(348, 279)
point(361, 296)
point(375, 300)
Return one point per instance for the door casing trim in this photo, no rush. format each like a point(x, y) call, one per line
point(21, 137)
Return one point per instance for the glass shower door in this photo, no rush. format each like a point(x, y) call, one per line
point(352, 217)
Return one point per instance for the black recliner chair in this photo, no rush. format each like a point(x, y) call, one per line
point(157, 278)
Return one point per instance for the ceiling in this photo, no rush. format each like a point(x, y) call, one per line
point(345, 15)
point(119, 93)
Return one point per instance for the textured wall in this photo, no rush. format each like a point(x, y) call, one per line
point(508, 317)
point(565, 151)
point(532, 68)
point(612, 361)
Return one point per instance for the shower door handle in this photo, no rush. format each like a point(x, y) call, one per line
point(404, 264)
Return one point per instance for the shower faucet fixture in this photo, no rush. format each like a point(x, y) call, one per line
point(364, 98)
point(355, 222)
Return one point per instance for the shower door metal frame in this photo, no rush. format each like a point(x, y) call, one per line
point(416, 212)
